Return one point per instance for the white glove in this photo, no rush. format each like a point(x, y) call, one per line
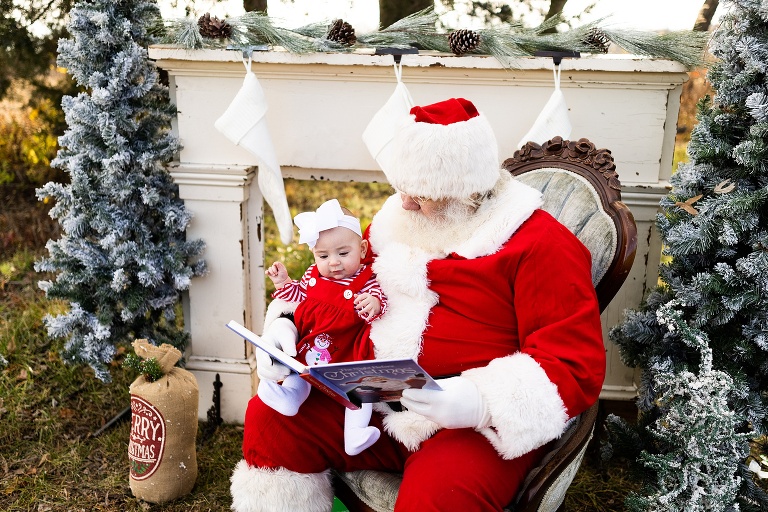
point(283, 335)
point(458, 405)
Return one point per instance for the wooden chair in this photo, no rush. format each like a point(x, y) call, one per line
point(582, 190)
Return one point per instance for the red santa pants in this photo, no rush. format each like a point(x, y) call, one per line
point(453, 470)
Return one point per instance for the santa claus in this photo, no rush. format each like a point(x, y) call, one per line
point(481, 284)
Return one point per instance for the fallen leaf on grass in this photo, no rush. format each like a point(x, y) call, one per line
point(64, 412)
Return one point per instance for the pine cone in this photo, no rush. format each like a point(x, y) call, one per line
point(463, 41)
point(597, 39)
point(213, 28)
point(342, 32)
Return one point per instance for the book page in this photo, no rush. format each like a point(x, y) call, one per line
point(273, 351)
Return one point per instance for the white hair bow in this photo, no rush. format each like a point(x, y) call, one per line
point(328, 216)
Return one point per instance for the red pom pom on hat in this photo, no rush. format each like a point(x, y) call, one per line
point(454, 110)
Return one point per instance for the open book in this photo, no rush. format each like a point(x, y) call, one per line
point(354, 383)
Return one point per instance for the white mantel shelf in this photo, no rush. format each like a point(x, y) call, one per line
point(319, 105)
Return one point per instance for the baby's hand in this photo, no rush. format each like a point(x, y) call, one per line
point(278, 274)
point(367, 305)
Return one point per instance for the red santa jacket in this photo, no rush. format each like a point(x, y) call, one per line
point(507, 301)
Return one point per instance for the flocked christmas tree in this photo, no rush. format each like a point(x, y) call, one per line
point(701, 339)
point(122, 259)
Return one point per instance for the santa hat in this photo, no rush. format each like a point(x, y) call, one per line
point(444, 150)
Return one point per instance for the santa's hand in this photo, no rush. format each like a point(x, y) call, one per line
point(282, 334)
point(458, 405)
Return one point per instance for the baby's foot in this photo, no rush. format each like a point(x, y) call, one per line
point(286, 398)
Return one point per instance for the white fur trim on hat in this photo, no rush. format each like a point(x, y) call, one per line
point(270, 490)
point(444, 161)
point(526, 409)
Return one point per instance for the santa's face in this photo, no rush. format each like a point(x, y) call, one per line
point(431, 208)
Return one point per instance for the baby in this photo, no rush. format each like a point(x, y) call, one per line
point(338, 297)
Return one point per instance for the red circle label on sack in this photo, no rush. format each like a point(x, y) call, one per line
point(147, 439)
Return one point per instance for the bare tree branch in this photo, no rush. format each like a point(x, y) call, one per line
point(707, 12)
point(555, 7)
point(255, 5)
point(391, 11)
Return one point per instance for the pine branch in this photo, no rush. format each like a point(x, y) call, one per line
point(417, 28)
point(254, 28)
point(185, 33)
point(684, 47)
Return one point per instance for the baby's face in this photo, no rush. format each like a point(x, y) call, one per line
point(338, 252)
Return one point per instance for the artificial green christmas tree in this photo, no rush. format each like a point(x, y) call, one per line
point(714, 225)
point(122, 259)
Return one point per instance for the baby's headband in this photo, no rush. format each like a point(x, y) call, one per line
point(328, 216)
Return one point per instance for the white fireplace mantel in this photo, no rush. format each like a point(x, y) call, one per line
point(319, 105)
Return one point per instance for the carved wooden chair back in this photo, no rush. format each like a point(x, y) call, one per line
point(582, 190)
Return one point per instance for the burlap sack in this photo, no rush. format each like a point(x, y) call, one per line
point(163, 428)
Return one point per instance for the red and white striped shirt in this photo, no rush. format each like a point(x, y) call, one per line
point(296, 290)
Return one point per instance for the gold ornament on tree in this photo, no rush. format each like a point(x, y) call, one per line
point(342, 32)
point(213, 28)
point(463, 41)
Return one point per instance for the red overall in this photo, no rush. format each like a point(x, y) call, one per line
point(330, 330)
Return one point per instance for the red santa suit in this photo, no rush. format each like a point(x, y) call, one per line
point(508, 302)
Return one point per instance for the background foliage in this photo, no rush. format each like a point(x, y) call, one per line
point(701, 338)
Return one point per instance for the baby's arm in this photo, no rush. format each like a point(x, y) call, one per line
point(368, 306)
point(278, 274)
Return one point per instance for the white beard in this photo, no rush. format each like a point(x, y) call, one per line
point(454, 225)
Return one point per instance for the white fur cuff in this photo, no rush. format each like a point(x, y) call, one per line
point(525, 407)
point(276, 309)
point(268, 490)
point(409, 428)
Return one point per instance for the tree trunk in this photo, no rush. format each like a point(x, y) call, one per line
point(555, 7)
point(706, 14)
point(391, 11)
point(255, 5)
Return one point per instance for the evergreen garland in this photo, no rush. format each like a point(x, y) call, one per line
point(149, 368)
point(505, 42)
point(714, 226)
point(122, 259)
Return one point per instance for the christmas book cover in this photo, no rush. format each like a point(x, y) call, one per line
point(353, 383)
